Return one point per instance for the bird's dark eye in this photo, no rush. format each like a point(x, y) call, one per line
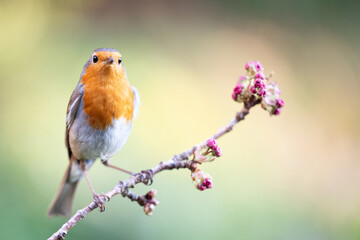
point(95, 59)
point(119, 61)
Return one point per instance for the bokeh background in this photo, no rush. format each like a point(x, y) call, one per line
point(295, 176)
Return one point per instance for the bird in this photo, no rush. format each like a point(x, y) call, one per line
point(99, 118)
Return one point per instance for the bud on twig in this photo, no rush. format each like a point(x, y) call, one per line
point(255, 83)
point(150, 202)
point(201, 179)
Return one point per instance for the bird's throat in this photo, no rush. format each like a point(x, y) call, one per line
point(107, 97)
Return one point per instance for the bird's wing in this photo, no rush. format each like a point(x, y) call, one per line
point(72, 109)
point(136, 98)
point(136, 101)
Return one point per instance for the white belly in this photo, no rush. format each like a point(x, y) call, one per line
point(89, 143)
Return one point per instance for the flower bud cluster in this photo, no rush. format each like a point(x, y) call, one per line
point(258, 87)
point(272, 101)
point(241, 91)
point(149, 209)
point(205, 184)
point(253, 67)
point(237, 91)
point(201, 179)
point(150, 202)
point(255, 83)
point(208, 153)
point(215, 149)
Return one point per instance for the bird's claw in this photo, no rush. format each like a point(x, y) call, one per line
point(99, 200)
point(148, 180)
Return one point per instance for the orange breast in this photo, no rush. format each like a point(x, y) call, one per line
point(107, 97)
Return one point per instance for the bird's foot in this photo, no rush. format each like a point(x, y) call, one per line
point(100, 200)
point(147, 176)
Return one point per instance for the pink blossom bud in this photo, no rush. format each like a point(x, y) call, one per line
point(218, 151)
point(279, 102)
point(258, 82)
point(208, 183)
point(234, 96)
point(201, 187)
point(247, 66)
point(260, 75)
point(238, 89)
point(258, 66)
point(242, 78)
point(253, 90)
point(211, 143)
point(205, 184)
point(239, 85)
point(262, 92)
point(277, 111)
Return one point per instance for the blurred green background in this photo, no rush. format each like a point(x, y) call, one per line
point(295, 176)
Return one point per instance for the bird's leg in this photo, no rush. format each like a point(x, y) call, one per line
point(106, 163)
point(147, 174)
point(84, 170)
point(96, 196)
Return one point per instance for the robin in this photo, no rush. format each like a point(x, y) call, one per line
point(98, 123)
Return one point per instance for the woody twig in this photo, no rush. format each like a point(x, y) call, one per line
point(251, 90)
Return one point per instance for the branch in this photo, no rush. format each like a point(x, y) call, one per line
point(148, 201)
point(251, 89)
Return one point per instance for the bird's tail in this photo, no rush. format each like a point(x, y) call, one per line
point(62, 203)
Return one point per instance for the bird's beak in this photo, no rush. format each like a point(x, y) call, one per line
point(109, 60)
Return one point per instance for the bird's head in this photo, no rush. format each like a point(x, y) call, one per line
point(105, 64)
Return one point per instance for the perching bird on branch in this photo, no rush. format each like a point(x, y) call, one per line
point(98, 122)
